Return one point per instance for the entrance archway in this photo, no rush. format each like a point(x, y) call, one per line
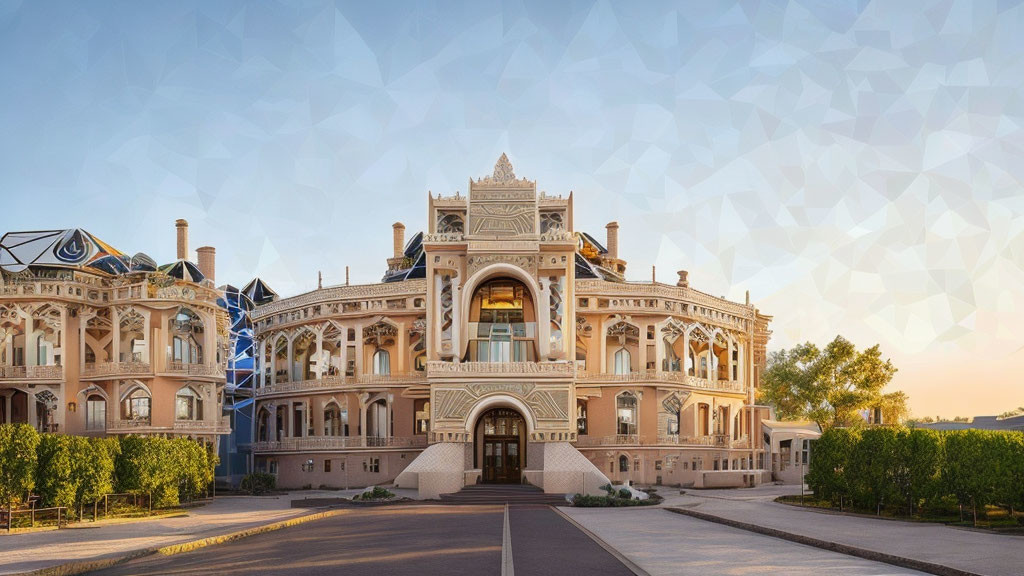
point(500, 446)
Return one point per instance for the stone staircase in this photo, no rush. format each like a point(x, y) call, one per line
point(503, 494)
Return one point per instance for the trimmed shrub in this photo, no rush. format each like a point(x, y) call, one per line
point(18, 443)
point(56, 481)
point(258, 483)
point(826, 474)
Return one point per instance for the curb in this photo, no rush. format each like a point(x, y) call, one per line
point(83, 566)
point(900, 561)
point(629, 564)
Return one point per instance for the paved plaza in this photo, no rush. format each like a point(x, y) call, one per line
point(425, 538)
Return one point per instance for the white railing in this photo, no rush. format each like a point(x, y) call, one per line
point(337, 442)
point(326, 382)
point(32, 372)
point(203, 426)
point(116, 368)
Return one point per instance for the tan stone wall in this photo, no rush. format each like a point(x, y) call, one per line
point(347, 469)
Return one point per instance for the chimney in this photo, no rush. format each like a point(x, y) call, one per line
point(399, 234)
point(683, 281)
point(182, 225)
point(613, 240)
point(207, 262)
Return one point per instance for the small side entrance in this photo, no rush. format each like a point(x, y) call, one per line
point(500, 446)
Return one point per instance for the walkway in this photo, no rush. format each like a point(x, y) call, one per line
point(34, 550)
point(969, 550)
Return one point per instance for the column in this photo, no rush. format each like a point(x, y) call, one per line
point(320, 353)
point(544, 319)
point(359, 349)
point(290, 358)
point(115, 329)
point(686, 350)
point(403, 348)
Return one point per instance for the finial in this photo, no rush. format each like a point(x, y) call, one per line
point(346, 275)
point(503, 171)
point(319, 280)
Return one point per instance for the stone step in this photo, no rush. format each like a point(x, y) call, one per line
point(502, 494)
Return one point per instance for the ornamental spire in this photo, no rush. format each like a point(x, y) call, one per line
point(503, 172)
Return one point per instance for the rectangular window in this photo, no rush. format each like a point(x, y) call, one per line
point(96, 415)
point(327, 465)
point(657, 464)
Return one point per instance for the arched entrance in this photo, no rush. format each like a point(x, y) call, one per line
point(500, 449)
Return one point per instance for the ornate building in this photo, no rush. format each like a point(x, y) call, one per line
point(95, 342)
point(504, 346)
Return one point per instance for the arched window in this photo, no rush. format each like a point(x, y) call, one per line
point(421, 409)
point(187, 350)
point(622, 361)
point(42, 351)
point(703, 367)
point(136, 405)
point(703, 419)
point(95, 412)
point(625, 414)
point(382, 362)
point(263, 426)
point(332, 420)
point(502, 323)
point(188, 404)
point(623, 463)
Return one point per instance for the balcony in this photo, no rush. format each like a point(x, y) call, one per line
point(337, 382)
point(501, 369)
point(666, 376)
point(713, 440)
point(32, 372)
point(145, 426)
point(101, 369)
point(203, 426)
point(337, 443)
point(189, 369)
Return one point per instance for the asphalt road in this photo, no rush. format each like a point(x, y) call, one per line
point(401, 540)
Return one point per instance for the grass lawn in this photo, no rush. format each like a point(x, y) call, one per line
point(991, 517)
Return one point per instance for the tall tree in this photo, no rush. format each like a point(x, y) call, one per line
point(830, 386)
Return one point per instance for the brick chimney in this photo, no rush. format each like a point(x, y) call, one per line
point(182, 225)
point(613, 240)
point(207, 261)
point(398, 231)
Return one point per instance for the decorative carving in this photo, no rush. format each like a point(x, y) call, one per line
point(444, 237)
point(502, 219)
point(556, 286)
point(526, 262)
point(583, 328)
point(447, 319)
point(504, 175)
point(379, 334)
point(456, 403)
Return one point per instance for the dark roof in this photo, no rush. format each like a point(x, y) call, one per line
point(259, 292)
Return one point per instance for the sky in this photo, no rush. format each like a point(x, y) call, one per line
point(856, 166)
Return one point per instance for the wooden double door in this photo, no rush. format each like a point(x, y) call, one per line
point(501, 460)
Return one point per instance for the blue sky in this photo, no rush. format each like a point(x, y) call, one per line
point(856, 165)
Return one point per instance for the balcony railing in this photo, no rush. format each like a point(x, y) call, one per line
point(715, 440)
point(338, 442)
point(203, 426)
point(441, 369)
point(116, 369)
point(175, 367)
point(665, 376)
point(32, 372)
point(330, 382)
point(180, 426)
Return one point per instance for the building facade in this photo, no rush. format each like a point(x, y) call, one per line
point(96, 342)
point(503, 345)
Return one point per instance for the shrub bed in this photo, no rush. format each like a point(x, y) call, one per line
point(75, 471)
point(915, 472)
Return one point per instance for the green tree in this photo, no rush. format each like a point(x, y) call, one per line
point(870, 470)
point(918, 461)
point(56, 481)
point(18, 444)
point(831, 385)
point(95, 469)
point(968, 473)
point(148, 465)
point(827, 475)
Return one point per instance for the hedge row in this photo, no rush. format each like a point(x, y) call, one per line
point(73, 470)
point(906, 471)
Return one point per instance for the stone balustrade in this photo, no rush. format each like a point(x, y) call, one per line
point(116, 369)
point(714, 440)
point(338, 442)
point(483, 369)
point(32, 372)
point(666, 376)
point(174, 367)
point(335, 382)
